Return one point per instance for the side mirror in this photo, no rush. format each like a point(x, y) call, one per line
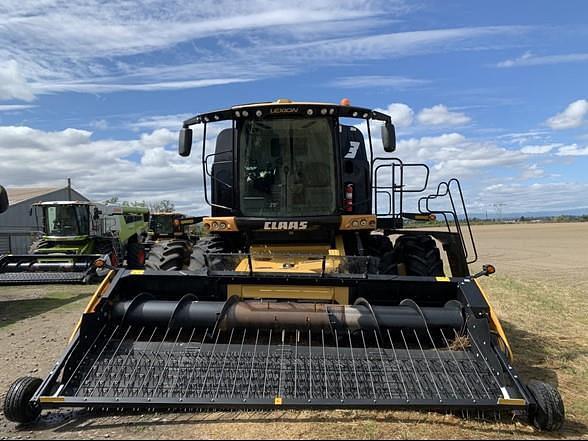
point(389, 137)
point(185, 145)
point(3, 200)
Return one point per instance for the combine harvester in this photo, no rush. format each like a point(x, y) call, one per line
point(75, 235)
point(298, 297)
point(170, 243)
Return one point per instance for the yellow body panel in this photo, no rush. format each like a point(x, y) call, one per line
point(330, 294)
point(288, 258)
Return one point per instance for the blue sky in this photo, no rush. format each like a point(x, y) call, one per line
point(492, 92)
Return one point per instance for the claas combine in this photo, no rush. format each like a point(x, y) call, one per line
point(75, 234)
point(307, 292)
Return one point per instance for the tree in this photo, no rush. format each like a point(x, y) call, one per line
point(113, 200)
point(163, 206)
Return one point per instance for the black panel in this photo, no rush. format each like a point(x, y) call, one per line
point(222, 173)
point(356, 168)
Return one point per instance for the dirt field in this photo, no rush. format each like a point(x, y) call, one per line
point(540, 293)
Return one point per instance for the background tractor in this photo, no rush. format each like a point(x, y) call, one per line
point(171, 237)
point(74, 235)
point(307, 291)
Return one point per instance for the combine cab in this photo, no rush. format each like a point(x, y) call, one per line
point(306, 293)
point(75, 235)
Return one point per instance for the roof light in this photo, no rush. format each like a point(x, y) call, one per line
point(323, 111)
point(216, 117)
point(354, 114)
point(309, 112)
point(345, 102)
point(331, 111)
point(365, 115)
point(245, 113)
point(258, 113)
point(237, 114)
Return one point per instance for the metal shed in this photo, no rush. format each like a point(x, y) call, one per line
point(17, 226)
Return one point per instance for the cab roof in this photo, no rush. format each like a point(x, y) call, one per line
point(63, 203)
point(286, 107)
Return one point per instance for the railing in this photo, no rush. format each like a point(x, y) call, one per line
point(444, 192)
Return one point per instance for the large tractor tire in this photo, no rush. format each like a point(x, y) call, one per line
point(17, 406)
point(173, 255)
point(381, 249)
point(204, 246)
point(420, 255)
point(549, 414)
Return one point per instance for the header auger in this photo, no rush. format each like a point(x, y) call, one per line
point(307, 291)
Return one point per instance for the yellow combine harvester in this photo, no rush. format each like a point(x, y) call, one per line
point(307, 292)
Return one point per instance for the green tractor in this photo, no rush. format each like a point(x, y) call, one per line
point(170, 241)
point(75, 234)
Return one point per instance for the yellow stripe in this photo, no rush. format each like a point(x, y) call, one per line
point(137, 272)
point(495, 324)
point(93, 301)
point(51, 399)
point(512, 402)
point(278, 401)
point(442, 279)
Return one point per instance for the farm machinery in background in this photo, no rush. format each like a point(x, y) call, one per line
point(75, 234)
point(3, 200)
point(170, 241)
point(307, 292)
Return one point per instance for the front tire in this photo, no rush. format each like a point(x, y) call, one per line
point(170, 256)
point(17, 405)
point(206, 245)
point(549, 414)
point(420, 255)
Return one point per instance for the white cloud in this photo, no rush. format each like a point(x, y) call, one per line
point(532, 171)
point(528, 59)
point(441, 115)
point(573, 116)
point(15, 107)
point(402, 115)
point(539, 149)
point(380, 81)
point(97, 47)
point(144, 168)
point(13, 84)
point(572, 150)
point(452, 154)
point(172, 122)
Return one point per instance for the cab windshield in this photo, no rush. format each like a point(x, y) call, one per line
point(161, 224)
point(287, 167)
point(67, 220)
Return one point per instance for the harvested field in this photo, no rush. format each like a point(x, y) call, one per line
point(539, 292)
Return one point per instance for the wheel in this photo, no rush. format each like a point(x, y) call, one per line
point(38, 244)
point(382, 249)
point(17, 406)
point(420, 255)
point(169, 256)
point(103, 247)
point(549, 415)
point(206, 245)
point(135, 255)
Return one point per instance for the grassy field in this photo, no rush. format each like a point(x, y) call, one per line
point(539, 292)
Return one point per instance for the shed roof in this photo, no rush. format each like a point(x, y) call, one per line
point(16, 195)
